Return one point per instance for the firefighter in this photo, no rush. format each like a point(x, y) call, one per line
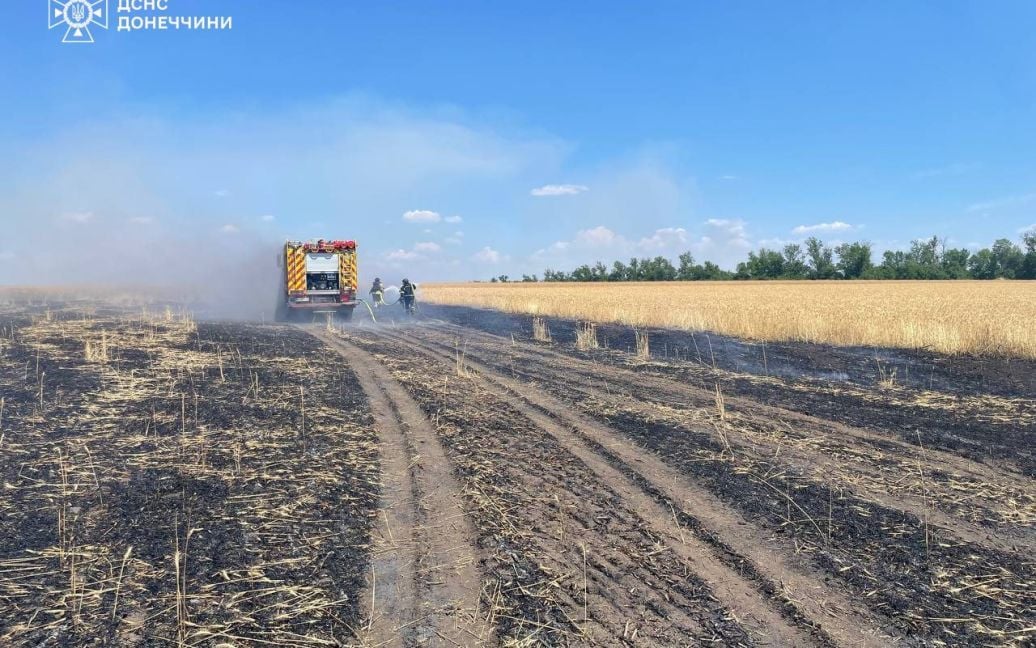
point(408, 295)
point(377, 292)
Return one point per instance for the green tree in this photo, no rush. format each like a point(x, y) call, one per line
point(657, 269)
point(685, 271)
point(955, 263)
point(922, 261)
point(854, 259)
point(982, 265)
point(925, 252)
point(764, 264)
point(583, 273)
point(1029, 264)
point(1008, 257)
point(794, 262)
point(633, 270)
point(821, 264)
point(894, 264)
point(711, 271)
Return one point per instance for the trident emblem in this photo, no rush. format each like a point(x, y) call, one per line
point(78, 15)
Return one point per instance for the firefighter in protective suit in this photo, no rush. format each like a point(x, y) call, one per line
point(377, 293)
point(408, 296)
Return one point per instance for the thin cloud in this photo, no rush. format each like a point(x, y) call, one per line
point(776, 243)
point(664, 239)
point(601, 240)
point(559, 190)
point(141, 220)
point(453, 219)
point(556, 249)
point(489, 255)
point(267, 218)
point(836, 226)
point(6, 256)
point(728, 177)
point(221, 193)
point(733, 229)
point(230, 229)
point(80, 217)
point(724, 241)
point(402, 255)
point(956, 169)
point(428, 246)
point(1006, 201)
point(597, 237)
point(422, 216)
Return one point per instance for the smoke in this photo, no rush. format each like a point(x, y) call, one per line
point(202, 201)
point(218, 274)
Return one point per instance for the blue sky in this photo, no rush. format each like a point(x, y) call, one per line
point(461, 140)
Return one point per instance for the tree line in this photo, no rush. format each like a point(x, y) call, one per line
point(926, 259)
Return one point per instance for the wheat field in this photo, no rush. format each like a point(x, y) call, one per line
point(955, 317)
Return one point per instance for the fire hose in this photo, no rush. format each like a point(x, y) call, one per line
point(371, 310)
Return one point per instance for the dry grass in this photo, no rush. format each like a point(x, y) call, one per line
point(540, 330)
point(643, 345)
point(586, 336)
point(971, 317)
point(170, 511)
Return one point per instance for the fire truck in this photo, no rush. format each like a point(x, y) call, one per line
point(319, 277)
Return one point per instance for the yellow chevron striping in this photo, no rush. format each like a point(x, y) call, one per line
point(296, 265)
point(347, 270)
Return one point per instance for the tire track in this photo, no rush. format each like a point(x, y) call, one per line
point(919, 588)
point(806, 460)
point(809, 600)
point(939, 459)
point(537, 507)
point(424, 585)
point(646, 388)
point(821, 465)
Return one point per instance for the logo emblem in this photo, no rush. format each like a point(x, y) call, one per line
point(78, 15)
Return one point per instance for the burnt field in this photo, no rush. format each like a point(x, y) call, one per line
point(173, 483)
point(454, 481)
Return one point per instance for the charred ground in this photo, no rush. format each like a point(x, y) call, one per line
point(167, 481)
point(450, 479)
point(980, 407)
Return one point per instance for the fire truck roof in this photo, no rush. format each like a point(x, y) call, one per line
point(322, 245)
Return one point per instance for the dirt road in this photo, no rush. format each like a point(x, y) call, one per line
point(422, 557)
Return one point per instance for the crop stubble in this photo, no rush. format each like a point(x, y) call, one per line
point(167, 481)
point(198, 484)
point(933, 544)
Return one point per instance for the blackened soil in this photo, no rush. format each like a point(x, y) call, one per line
point(535, 508)
point(929, 583)
point(922, 369)
point(835, 383)
point(225, 470)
